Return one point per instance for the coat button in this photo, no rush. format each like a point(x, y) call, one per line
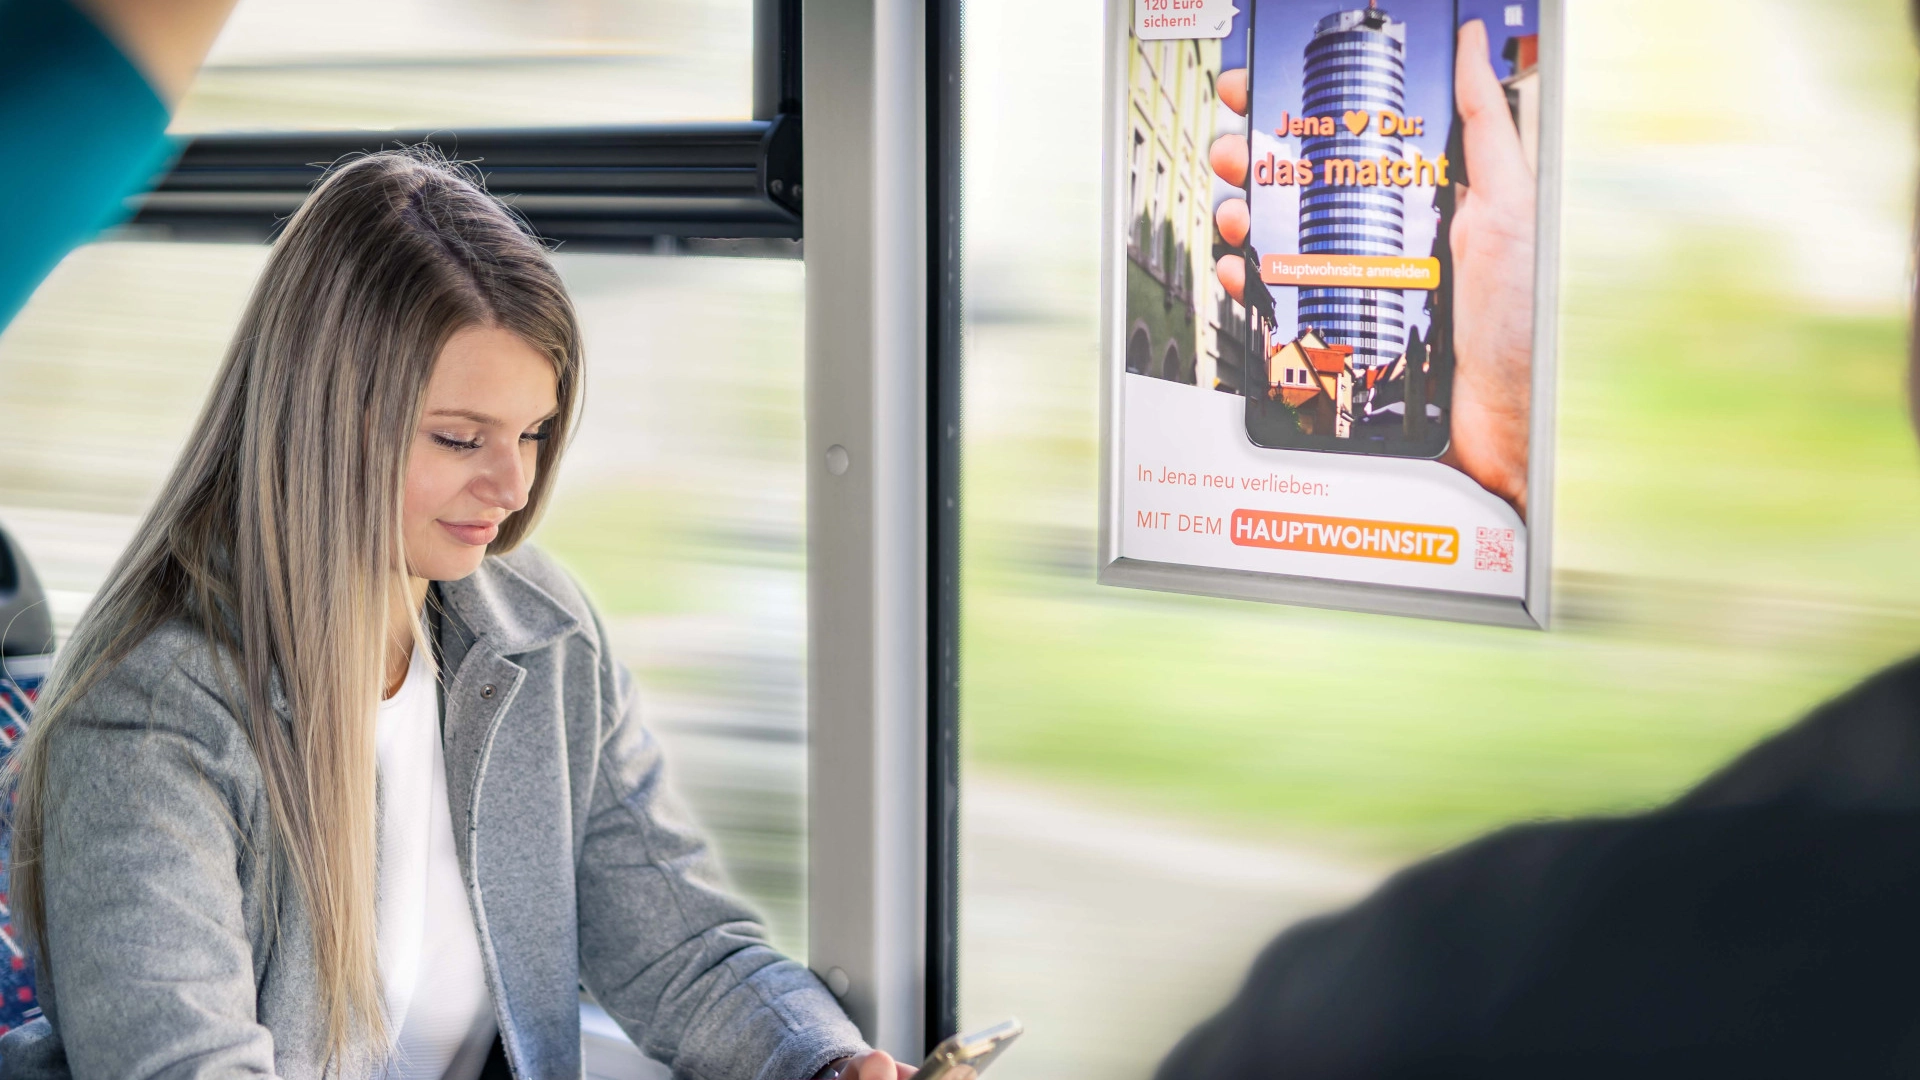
point(486, 691)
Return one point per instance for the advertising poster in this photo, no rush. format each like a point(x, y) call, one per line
point(1329, 295)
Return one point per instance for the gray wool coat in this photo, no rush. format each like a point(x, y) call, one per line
point(171, 954)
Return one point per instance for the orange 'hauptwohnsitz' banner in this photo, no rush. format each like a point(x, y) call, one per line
point(1346, 536)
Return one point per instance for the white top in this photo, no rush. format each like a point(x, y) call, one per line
point(436, 988)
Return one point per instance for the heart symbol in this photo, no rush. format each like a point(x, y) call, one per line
point(1356, 120)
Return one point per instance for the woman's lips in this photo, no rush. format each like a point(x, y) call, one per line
point(471, 533)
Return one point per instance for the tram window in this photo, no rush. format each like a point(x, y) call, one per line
point(419, 65)
point(679, 505)
point(1154, 785)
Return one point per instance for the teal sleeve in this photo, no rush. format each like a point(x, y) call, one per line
point(80, 131)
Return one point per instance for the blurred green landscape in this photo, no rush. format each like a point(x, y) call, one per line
point(1746, 558)
point(1738, 508)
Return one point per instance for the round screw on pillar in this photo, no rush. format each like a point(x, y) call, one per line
point(838, 460)
point(837, 981)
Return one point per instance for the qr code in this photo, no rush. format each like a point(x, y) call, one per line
point(1493, 550)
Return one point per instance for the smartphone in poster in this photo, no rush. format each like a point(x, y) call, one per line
point(1329, 299)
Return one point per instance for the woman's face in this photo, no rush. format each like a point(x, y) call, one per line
point(472, 462)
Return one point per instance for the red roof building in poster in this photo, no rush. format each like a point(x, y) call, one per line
point(1316, 380)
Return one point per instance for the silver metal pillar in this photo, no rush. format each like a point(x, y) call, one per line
point(864, 89)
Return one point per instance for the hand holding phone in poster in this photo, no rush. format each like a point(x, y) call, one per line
point(1492, 242)
point(1493, 232)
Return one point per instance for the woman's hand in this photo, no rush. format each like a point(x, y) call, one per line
point(872, 1065)
point(1492, 241)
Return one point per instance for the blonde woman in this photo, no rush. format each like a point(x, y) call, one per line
point(336, 777)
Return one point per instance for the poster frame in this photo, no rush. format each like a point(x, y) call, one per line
point(1532, 612)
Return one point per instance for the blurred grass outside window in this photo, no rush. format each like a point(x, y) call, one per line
point(1738, 502)
point(1170, 780)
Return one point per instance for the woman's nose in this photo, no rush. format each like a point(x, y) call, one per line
point(507, 480)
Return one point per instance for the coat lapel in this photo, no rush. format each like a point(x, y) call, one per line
point(491, 615)
point(495, 626)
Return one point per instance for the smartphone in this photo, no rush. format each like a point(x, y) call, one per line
point(1351, 199)
point(964, 1057)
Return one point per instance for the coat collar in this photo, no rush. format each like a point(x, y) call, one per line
point(502, 607)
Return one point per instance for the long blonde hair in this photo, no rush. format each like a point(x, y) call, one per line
point(278, 533)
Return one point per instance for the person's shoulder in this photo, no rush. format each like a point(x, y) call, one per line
point(1861, 750)
point(1400, 976)
point(1487, 893)
point(175, 684)
point(175, 659)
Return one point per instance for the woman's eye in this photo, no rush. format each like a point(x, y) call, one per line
point(452, 443)
point(535, 436)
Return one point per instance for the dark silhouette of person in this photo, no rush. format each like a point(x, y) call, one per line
point(1766, 924)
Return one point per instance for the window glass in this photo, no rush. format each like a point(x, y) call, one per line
point(1154, 784)
point(679, 507)
point(432, 64)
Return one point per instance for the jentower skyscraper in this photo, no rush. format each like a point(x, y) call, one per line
point(1355, 63)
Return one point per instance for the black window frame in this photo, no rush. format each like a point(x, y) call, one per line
point(714, 188)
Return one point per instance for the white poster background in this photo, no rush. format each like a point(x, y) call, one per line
point(1186, 465)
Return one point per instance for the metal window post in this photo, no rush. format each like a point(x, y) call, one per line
point(864, 84)
point(944, 357)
